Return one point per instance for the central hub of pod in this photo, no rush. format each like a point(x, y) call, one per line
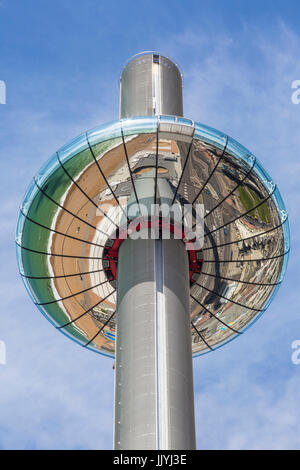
point(154, 228)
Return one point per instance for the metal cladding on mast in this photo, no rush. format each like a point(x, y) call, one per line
point(150, 84)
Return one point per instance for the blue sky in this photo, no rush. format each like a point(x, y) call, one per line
point(60, 62)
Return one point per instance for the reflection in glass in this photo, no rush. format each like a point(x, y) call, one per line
point(82, 194)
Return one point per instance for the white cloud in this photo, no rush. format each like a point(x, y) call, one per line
point(238, 414)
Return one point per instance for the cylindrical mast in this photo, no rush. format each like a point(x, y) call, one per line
point(154, 396)
point(150, 84)
point(154, 402)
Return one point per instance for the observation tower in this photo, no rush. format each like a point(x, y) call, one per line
point(112, 268)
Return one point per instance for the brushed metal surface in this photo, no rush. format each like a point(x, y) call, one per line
point(154, 403)
point(150, 84)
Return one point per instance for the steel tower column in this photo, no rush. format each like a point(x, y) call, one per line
point(150, 84)
point(154, 398)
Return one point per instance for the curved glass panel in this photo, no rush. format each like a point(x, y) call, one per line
point(176, 125)
point(284, 266)
point(74, 147)
point(47, 169)
point(239, 151)
point(264, 177)
point(31, 192)
point(75, 334)
point(19, 229)
point(19, 258)
point(104, 132)
point(139, 125)
point(209, 135)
